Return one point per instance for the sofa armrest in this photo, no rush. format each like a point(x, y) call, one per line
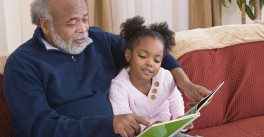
point(216, 37)
point(3, 59)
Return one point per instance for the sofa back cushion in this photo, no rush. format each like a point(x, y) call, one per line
point(5, 116)
point(241, 66)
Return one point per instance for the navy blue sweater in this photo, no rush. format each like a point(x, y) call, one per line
point(51, 93)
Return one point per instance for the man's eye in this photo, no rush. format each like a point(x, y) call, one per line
point(70, 25)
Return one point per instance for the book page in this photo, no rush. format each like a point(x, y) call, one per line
point(200, 105)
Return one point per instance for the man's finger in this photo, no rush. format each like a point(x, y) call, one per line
point(142, 120)
point(193, 103)
point(123, 133)
point(130, 130)
point(203, 91)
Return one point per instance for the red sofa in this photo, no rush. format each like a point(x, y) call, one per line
point(5, 116)
point(237, 109)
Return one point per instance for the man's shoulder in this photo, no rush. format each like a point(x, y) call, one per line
point(25, 49)
point(96, 33)
point(95, 30)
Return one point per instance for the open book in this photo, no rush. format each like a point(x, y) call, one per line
point(171, 128)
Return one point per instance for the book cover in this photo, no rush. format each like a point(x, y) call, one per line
point(170, 128)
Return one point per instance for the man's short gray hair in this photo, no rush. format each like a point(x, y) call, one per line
point(39, 9)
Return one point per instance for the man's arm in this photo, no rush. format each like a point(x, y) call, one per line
point(191, 90)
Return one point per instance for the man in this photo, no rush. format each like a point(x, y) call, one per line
point(56, 84)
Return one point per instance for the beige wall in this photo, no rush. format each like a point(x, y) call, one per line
point(3, 47)
point(27, 27)
point(11, 24)
point(15, 27)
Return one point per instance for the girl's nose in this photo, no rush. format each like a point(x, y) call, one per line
point(149, 63)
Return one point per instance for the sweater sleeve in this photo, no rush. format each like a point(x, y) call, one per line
point(30, 109)
point(118, 48)
point(169, 62)
point(119, 98)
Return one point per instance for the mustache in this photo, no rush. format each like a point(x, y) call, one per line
point(81, 36)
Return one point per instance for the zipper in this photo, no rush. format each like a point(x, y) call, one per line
point(75, 67)
point(73, 58)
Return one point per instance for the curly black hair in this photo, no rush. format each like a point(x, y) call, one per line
point(166, 33)
point(133, 30)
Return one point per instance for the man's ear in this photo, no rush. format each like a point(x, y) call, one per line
point(45, 25)
point(128, 55)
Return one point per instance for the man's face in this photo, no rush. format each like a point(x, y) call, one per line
point(69, 25)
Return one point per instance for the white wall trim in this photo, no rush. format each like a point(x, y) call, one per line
point(3, 44)
point(12, 24)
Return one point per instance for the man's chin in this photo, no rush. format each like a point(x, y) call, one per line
point(77, 49)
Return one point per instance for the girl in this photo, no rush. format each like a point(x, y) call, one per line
point(144, 88)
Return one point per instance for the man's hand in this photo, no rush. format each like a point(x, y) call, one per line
point(187, 128)
point(127, 125)
point(192, 91)
point(196, 93)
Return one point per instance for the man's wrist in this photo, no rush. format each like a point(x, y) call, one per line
point(180, 78)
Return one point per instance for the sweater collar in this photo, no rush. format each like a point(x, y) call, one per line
point(48, 46)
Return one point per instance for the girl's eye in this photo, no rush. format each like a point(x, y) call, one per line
point(141, 56)
point(157, 61)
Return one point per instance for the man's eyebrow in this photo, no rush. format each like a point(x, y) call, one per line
point(76, 18)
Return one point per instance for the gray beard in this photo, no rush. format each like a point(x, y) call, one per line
point(70, 48)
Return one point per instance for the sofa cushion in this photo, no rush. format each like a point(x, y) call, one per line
point(252, 127)
point(241, 67)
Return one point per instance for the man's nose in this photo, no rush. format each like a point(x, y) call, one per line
point(82, 27)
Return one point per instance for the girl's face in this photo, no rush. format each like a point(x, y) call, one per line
point(145, 58)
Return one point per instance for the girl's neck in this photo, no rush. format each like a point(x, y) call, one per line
point(141, 85)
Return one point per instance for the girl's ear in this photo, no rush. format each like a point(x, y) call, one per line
point(128, 55)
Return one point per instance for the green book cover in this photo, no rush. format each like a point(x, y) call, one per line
point(170, 128)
